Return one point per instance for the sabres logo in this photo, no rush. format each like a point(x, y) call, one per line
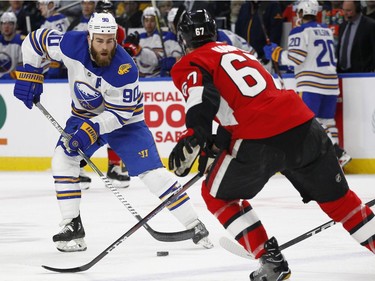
point(124, 68)
point(88, 97)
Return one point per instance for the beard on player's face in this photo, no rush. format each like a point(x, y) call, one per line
point(102, 57)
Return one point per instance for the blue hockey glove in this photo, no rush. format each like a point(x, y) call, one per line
point(191, 144)
point(29, 84)
point(268, 50)
point(86, 135)
point(167, 63)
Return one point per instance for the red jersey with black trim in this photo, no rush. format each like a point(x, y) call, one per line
point(249, 103)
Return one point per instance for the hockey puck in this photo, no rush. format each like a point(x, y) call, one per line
point(162, 253)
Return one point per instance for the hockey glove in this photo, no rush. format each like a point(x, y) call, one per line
point(268, 50)
point(29, 84)
point(272, 51)
point(187, 149)
point(86, 135)
point(131, 44)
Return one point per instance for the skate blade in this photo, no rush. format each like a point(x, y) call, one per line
point(75, 245)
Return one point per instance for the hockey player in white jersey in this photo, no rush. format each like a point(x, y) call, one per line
point(107, 107)
point(57, 21)
point(10, 46)
point(312, 53)
point(149, 52)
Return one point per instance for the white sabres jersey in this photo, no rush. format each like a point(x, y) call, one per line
point(57, 22)
point(10, 55)
point(311, 51)
point(231, 38)
point(110, 95)
point(82, 25)
point(148, 60)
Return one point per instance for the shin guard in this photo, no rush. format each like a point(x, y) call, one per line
point(357, 219)
point(240, 220)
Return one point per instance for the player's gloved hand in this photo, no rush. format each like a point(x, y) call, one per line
point(29, 84)
point(86, 135)
point(131, 44)
point(191, 144)
point(268, 50)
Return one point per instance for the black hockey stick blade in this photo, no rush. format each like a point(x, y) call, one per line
point(160, 236)
point(314, 231)
point(170, 236)
point(123, 237)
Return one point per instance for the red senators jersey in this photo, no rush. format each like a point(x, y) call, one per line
point(237, 91)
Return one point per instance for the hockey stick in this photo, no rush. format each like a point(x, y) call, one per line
point(123, 237)
point(268, 42)
point(160, 236)
point(158, 27)
point(238, 250)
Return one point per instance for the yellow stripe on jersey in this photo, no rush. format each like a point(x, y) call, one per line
point(298, 52)
point(44, 47)
point(34, 42)
point(317, 85)
point(316, 74)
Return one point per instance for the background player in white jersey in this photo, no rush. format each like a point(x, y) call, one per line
point(312, 53)
point(107, 107)
point(10, 46)
point(148, 49)
point(57, 21)
point(87, 9)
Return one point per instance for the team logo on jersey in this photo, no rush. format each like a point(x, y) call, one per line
point(5, 62)
point(88, 97)
point(124, 68)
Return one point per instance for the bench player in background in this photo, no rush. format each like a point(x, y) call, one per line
point(311, 51)
point(272, 130)
point(107, 107)
point(10, 46)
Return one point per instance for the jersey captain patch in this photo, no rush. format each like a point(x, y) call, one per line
point(88, 97)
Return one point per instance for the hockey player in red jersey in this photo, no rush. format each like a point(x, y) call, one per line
point(270, 130)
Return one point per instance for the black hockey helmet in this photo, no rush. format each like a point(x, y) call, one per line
point(195, 29)
point(104, 6)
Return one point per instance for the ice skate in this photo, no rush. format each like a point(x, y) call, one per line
point(342, 156)
point(84, 180)
point(70, 238)
point(273, 266)
point(117, 177)
point(201, 236)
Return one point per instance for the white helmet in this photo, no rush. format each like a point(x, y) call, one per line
point(150, 12)
point(102, 23)
point(308, 7)
point(8, 17)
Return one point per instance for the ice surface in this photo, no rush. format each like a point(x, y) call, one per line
point(29, 217)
